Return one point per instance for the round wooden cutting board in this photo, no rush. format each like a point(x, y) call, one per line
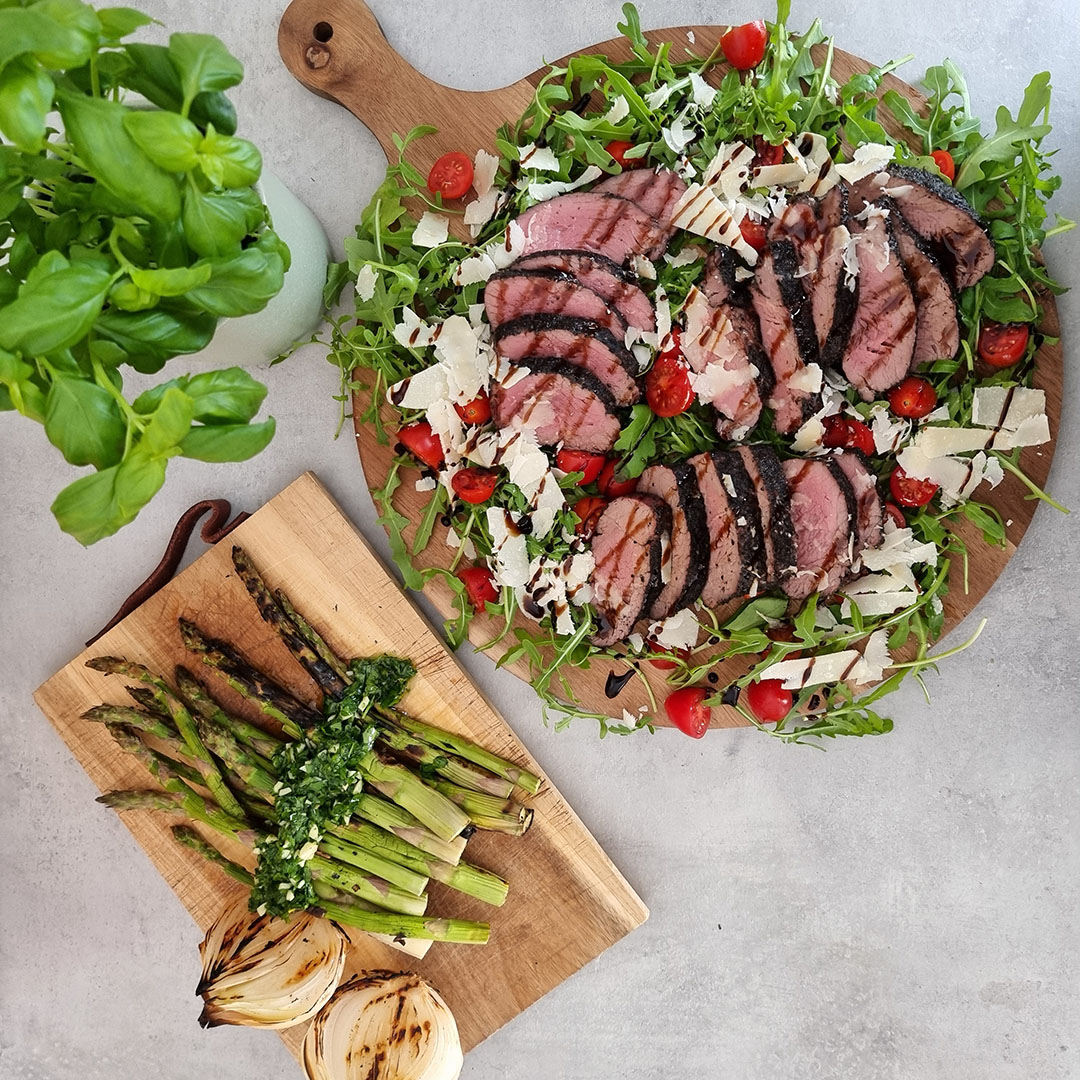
point(336, 49)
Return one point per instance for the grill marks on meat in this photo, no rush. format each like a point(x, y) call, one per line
point(627, 546)
point(655, 191)
point(870, 507)
point(774, 505)
point(618, 287)
point(606, 224)
point(545, 291)
point(582, 342)
point(677, 486)
point(562, 402)
point(823, 511)
point(882, 342)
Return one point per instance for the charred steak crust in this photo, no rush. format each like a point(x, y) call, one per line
point(847, 302)
point(556, 365)
point(744, 506)
point(547, 273)
point(603, 261)
point(656, 555)
point(926, 247)
point(850, 501)
point(781, 528)
point(538, 322)
point(936, 186)
point(693, 508)
point(786, 264)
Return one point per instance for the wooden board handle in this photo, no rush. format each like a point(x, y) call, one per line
point(336, 49)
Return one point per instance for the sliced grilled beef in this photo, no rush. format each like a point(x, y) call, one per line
point(736, 552)
point(787, 332)
point(582, 342)
point(689, 556)
point(882, 340)
point(656, 191)
point(514, 292)
point(774, 504)
point(868, 502)
point(823, 511)
point(937, 326)
point(561, 402)
point(940, 213)
point(590, 221)
point(617, 286)
point(627, 546)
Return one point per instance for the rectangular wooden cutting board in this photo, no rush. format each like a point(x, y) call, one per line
point(567, 903)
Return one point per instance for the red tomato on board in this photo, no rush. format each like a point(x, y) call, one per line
point(451, 176)
point(687, 711)
point(848, 432)
point(744, 46)
point(943, 160)
point(422, 443)
point(667, 383)
point(582, 461)
point(896, 514)
point(662, 663)
point(753, 232)
point(479, 586)
point(617, 149)
point(766, 153)
point(477, 411)
point(611, 487)
point(913, 398)
point(908, 491)
point(474, 485)
point(768, 700)
point(1002, 344)
point(588, 511)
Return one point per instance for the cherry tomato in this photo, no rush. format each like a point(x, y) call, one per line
point(611, 487)
point(753, 232)
point(479, 586)
point(474, 485)
point(477, 411)
point(896, 514)
point(662, 663)
point(744, 46)
point(908, 491)
point(766, 153)
point(943, 160)
point(848, 432)
point(686, 710)
point(1002, 344)
point(451, 176)
point(768, 700)
point(588, 511)
point(581, 461)
point(422, 443)
point(913, 398)
point(617, 149)
point(667, 384)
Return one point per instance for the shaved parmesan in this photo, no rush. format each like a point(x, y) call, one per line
point(658, 97)
point(365, 281)
point(821, 176)
point(689, 254)
point(807, 379)
point(643, 267)
point(479, 212)
point(1018, 403)
point(663, 315)
point(412, 332)
point(541, 159)
point(508, 550)
point(485, 168)
point(809, 437)
point(498, 254)
point(679, 135)
point(426, 483)
point(620, 110)
point(422, 390)
point(845, 666)
point(729, 170)
point(541, 192)
point(699, 211)
point(957, 477)
point(473, 269)
point(690, 36)
point(701, 93)
point(899, 548)
point(431, 230)
point(868, 159)
point(1031, 431)
point(678, 631)
point(889, 434)
point(787, 173)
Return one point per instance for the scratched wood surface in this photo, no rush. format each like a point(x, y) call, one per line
point(567, 902)
point(335, 48)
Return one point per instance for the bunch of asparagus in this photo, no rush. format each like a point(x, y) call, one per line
point(425, 790)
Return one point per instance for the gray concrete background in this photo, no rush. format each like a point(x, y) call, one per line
point(898, 908)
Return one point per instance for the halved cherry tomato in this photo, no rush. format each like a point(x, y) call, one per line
point(667, 383)
point(479, 586)
point(896, 514)
point(581, 461)
point(753, 232)
point(477, 411)
point(943, 160)
point(686, 710)
point(617, 149)
point(660, 662)
point(1002, 344)
point(474, 485)
point(766, 153)
point(768, 700)
point(422, 443)
point(848, 432)
point(744, 46)
point(588, 511)
point(908, 491)
point(913, 398)
point(611, 487)
point(451, 176)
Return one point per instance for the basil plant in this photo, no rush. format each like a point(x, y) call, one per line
point(128, 227)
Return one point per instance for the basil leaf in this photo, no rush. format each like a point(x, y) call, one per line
point(26, 93)
point(227, 442)
point(96, 506)
point(214, 224)
point(96, 128)
point(152, 337)
point(228, 161)
point(118, 22)
point(30, 30)
point(6, 404)
point(170, 421)
point(228, 395)
point(127, 296)
point(73, 14)
point(241, 284)
point(55, 310)
point(84, 422)
point(167, 139)
point(171, 282)
point(203, 63)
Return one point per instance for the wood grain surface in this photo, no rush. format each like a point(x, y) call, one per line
point(357, 67)
point(567, 902)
